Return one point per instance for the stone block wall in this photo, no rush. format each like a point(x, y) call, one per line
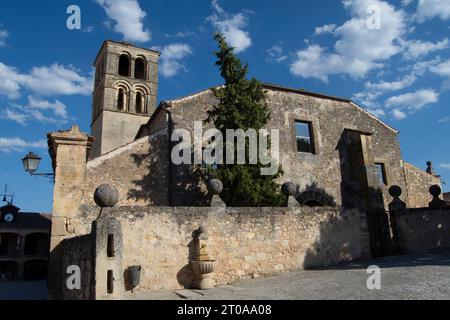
point(246, 242)
point(418, 182)
point(323, 171)
point(138, 170)
point(423, 229)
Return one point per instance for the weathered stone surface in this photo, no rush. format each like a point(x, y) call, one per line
point(244, 241)
point(289, 189)
point(215, 186)
point(106, 196)
point(418, 183)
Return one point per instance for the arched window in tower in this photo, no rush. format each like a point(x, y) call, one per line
point(124, 65)
point(139, 69)
point(140, 103)
point(121, 100)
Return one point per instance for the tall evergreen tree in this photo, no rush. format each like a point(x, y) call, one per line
point(242, 105)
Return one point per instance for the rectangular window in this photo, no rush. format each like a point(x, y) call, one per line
point(380, 171)
point(304, 134)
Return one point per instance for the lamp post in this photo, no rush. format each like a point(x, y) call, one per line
point(31, 164)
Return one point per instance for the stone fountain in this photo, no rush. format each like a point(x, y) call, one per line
point(201, 263)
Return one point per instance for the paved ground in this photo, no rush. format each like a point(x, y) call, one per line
point(424, 276)
point(23, 290)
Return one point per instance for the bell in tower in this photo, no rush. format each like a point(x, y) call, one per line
point(125, 93)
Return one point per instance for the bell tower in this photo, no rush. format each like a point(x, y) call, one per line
point(125, 93)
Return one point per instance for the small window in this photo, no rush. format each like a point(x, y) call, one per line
point(380, 171)
point(121, 100)
point(139, 69)
point(124, 65)
point(305, 141)
point(140, 102)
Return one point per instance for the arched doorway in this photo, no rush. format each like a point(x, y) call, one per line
point(37, 244)
point(8, 270)
point(35, 270)
point(8, 244)
point(124, 65)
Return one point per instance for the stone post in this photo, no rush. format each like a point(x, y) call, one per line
point(69, 151)
point(289, 190)
point(437, 202)
point(215, 188)
point(396, 208)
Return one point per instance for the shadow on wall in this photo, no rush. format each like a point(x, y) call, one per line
point(75, 251)
point(154, 185)
point(186, 276)
point(335, 244)
point(315, 196)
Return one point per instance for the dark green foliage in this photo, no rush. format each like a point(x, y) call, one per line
point(242, 105)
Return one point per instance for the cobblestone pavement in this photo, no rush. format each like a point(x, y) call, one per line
point(423, 276)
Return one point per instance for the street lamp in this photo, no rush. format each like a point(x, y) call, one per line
point(31, 164)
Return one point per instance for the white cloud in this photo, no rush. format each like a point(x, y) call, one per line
point(126, 18)
point(428, 9)
point(46, 81)
point(275, 54)
point(377, 112)
point(37, 110)
point(398, 114)
point(406, 2)
point(328, 28)
point(386, 86)
point(171, 56)
point(442, 69)
point(3, 35)
point(413, 101)
point(8, 145)
point(417, 48)
point(444, 119)
point(359, 48)
point(231, 26)
point(445, 165)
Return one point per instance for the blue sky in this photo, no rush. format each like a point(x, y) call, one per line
point(392, 57)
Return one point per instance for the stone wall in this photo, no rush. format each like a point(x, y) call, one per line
point(138, 170)
point(246, 242)
point(418, 182)
point(326, 169)
point(423, 229)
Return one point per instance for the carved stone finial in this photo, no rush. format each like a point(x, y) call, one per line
point(436, 203)
point(289, 189)
point(430, 169)
point(215, 186)
point(106, 196)
point(397, 204)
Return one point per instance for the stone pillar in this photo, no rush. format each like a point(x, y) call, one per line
point(396, 208)
point(215, 188)
point(437, 202)
point(69, 151)
point(108, 271)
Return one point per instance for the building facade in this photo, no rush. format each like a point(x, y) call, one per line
point(24, 244)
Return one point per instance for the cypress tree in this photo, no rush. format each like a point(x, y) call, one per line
point(242, 105)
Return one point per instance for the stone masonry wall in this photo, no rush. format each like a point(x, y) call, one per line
point(418, 183)
point(322, 170)
point(246, 242)
point(423, 230)
point(138, 170)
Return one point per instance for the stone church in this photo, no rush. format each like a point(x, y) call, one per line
point(331, 148)
point(337, 154)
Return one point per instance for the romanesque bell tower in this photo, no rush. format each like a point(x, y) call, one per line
point(125, 91)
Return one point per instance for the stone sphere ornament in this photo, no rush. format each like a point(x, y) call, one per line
point(435, 190)
point(395, 191)
point(289, 189)
point(215, 186)
point(106, 196)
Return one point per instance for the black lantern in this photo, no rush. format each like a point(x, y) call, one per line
point(31, 162)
